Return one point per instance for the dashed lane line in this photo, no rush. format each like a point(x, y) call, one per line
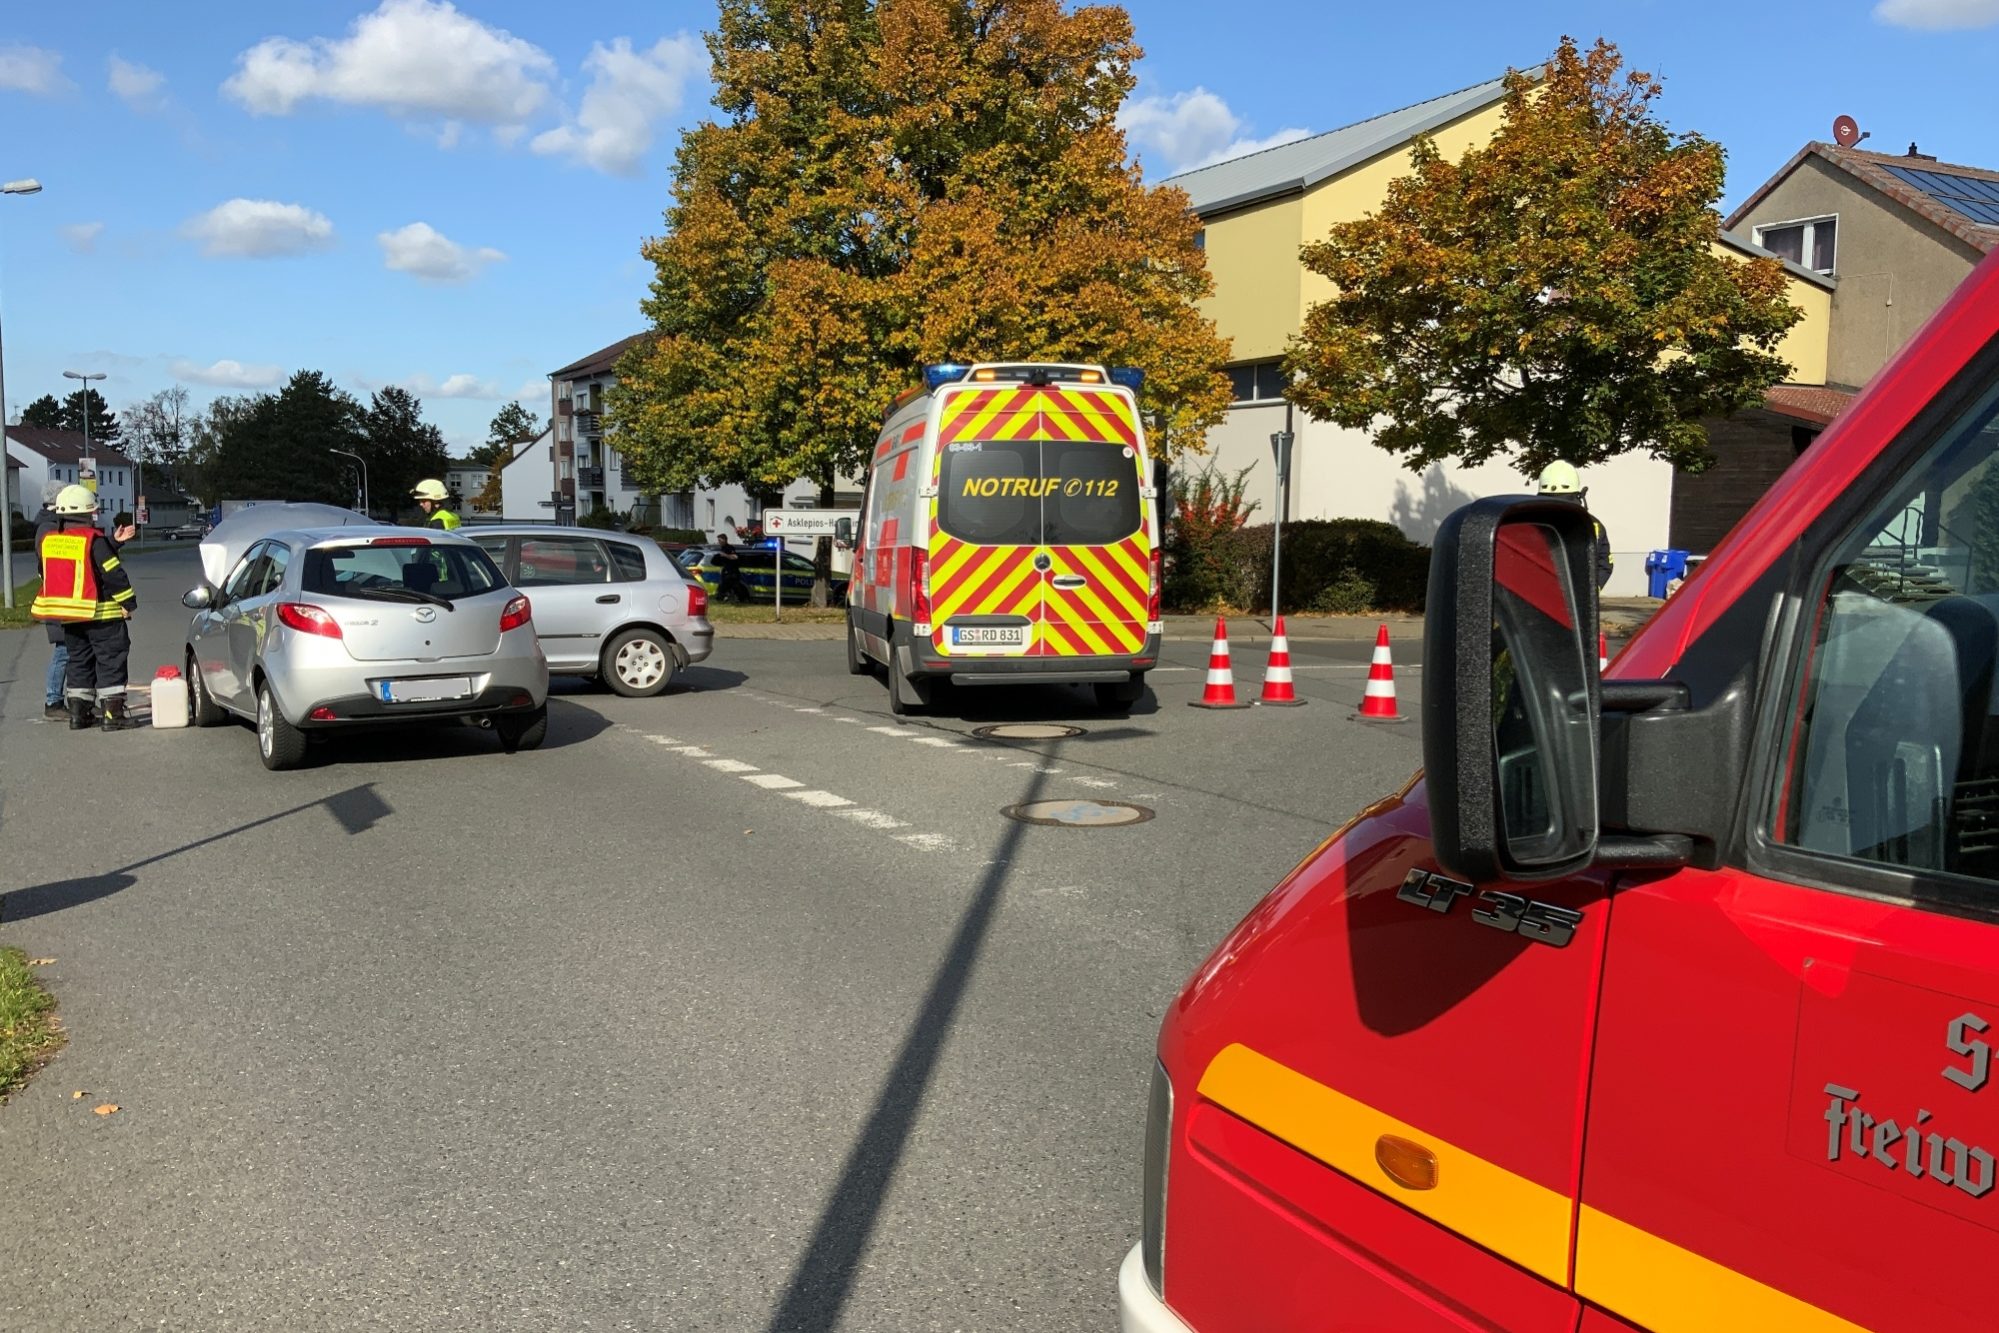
point(821, 800)
point(771, 781)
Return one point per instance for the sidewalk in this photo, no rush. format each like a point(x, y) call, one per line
point(1621, 617)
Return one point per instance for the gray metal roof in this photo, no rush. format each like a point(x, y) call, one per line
point(1749, 247)
point(1294, 167)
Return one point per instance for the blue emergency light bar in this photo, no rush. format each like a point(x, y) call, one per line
point(952, 372)
point(1128, 377)
point(943, 373)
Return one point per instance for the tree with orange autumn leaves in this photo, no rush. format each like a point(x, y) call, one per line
point(1554, 294)
point(891, 183)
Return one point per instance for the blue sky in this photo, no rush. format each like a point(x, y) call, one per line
point(452, 198)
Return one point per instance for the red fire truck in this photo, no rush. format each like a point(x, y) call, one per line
point(1659, 1001)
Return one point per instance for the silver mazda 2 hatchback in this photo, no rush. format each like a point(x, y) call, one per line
point(328, 628)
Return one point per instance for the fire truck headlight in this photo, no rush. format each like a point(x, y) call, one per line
point(1158, 1139)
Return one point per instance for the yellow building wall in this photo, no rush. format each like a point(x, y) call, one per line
point(1253, 257)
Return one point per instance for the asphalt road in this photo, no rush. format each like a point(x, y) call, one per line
point(739, 1008)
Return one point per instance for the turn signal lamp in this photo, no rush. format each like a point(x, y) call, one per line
point(1410, 1165)
point(943, 373)
point(1090, 377)
point(986, 376)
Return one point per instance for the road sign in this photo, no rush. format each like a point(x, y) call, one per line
point(804, 522)
point(144, 516)
point(86, 473)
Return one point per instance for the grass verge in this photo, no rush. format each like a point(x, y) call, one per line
point(762, 613)
point(29, 1031)
point(16, 616)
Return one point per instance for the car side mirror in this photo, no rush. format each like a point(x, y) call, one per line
point(1510, 690)
point(198, 599)
point(843, 531)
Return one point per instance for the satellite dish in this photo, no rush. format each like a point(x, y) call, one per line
point(1846, 131)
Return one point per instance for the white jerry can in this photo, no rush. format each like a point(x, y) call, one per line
point(169, 698)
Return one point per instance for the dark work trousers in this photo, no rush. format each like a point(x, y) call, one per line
point(97, 653)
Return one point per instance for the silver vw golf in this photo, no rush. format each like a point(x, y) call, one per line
point(318, 629)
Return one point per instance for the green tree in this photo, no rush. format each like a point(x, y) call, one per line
point(157, 431)
point(1554, 294)
point(400, 446)
point(44, 412)
point(277, 447)
point(511, 424)
point(87, 401)
point(890, 183)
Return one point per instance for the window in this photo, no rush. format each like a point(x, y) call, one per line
point(1030, 493)
point(628, 562)
point(547, 562)
point(711, 514)
point(1811, 243)
point(1257, 382)
point(399, 573)
point(1896, 756)
point(1201, 239)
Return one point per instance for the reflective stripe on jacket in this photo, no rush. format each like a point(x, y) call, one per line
point(82, 579)
point(445, 519)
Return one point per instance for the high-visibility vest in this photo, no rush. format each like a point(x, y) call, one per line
point(445, 519)
point(69, 580)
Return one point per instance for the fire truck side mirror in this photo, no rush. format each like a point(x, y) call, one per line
point(1510, 690)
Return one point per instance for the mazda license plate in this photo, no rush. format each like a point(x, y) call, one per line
point(428, 689)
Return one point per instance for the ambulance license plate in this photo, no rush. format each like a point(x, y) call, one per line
point(989, 636)
point(430, 689)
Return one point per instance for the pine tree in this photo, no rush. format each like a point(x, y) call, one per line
point(45, 412)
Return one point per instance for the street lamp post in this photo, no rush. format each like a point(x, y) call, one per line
point(6, 508)
point(364, 476)
point(83, 409)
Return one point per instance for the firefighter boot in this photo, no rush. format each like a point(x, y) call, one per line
point(80, 714)
point(114, 718)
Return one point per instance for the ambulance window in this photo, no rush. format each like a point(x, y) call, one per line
point(984, 496)
point(1094, 498)
point(1896, 757)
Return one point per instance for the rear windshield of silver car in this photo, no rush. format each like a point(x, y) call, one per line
point(400, 573)
point(1038, 492)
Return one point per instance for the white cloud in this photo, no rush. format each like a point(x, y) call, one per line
point(1194, 129)
point(451, 386)
point(411, 58)
point(82, 236)
point(630, 93)
point(136, 85)
point(227, 374)
point(1938, 15)
point(427, 253)
point(259, 229)
point(31, 69)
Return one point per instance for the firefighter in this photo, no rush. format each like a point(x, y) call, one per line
point(431, 497)
point(1561, 479)
point(86, 590)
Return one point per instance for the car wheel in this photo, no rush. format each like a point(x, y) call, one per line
point(522, 731)
point(280, 744)
point(637, 664)
point(857, 661)
point(202, 710)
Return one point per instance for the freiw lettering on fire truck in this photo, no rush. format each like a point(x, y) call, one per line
point(1038, 488)
point(1915, 1146)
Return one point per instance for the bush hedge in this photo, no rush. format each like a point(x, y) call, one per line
point(1332, 565)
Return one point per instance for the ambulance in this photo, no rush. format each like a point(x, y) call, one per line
point(1663, 999)
point(1009, 533)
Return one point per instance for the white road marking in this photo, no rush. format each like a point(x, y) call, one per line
point(771, 781)
point(692, 751)
point(900, 733)
point(822, 800)
point(662, 740)
point(729, 766)
point(851, 721)
point(928, 842)
point(808, 710)
point(938, 742)
point(874, 819)
point(1095, 782)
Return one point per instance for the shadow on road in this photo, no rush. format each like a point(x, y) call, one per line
point(823, 1279)
point(358, 809)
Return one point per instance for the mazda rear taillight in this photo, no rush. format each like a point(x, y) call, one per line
point(1152, 602)
point(516, 614)
point(919, 586)
point(697, 600)
point(308, 619)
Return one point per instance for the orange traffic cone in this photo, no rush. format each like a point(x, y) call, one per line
point(1277, 676)
point(1602, 650)
point(1378, 703)
point(1221, 681)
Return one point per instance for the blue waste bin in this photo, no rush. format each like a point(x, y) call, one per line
point(1662, 568)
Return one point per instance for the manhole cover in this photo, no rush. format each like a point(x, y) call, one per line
point(1078, 814)
point(1026, 731)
